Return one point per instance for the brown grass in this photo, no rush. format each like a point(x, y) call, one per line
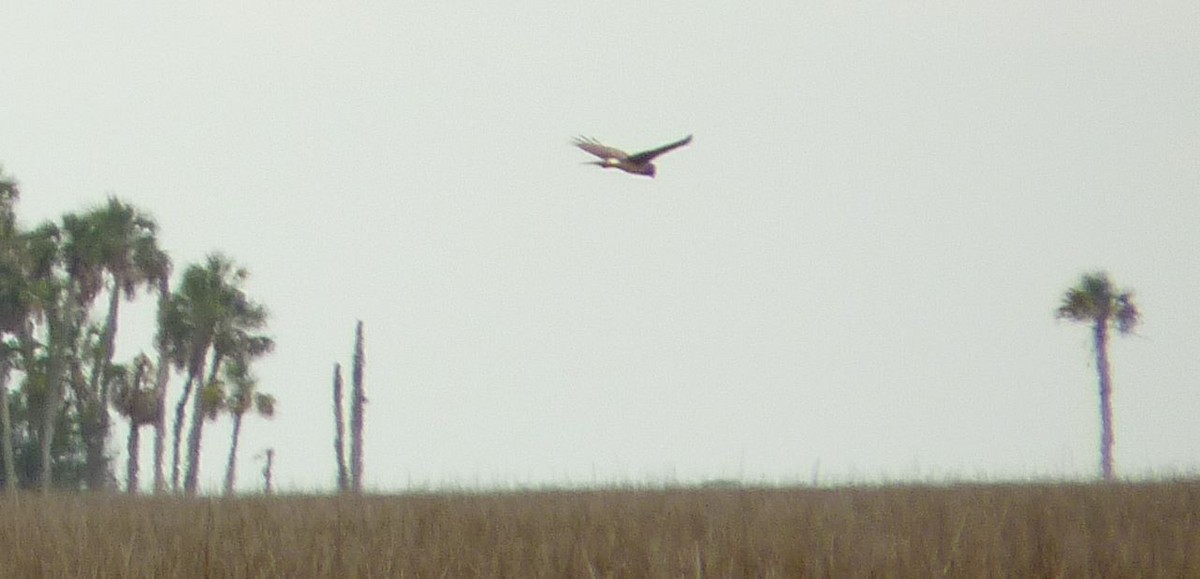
point(1017, 530)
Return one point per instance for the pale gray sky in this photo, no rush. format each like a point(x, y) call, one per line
point(854, 265)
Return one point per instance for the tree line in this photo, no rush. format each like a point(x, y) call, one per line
point(62, 284)
point(59, 382)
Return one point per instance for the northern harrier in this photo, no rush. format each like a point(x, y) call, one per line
point(637, 164)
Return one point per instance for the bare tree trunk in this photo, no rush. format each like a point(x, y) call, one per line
point(1106, 412)
point(267, 470)
point(160, 389)
point(231, 466)
point(6, 441)
point(133, 448)
point(358, 398)
point(339, 437)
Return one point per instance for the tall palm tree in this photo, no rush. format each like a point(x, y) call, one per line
point(232, 342)
point(78, 252)
point(244, 398)
point(123, 243)
point(187, 349)
point(84, 256)
point(42, 308)
point(187, 327)
point(49, 278)
point(1097, 302)
point(53, 302)
point(209, 319)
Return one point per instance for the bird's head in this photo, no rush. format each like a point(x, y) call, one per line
point(648, 170)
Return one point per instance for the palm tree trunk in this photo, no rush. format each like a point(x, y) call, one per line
point(6, 441)
point(96, 433)
point(160, 422)
point(26, 344)
point(160, 389)
point(192, 473)
point(160, 437)
point(191, 477)
point(231, 466)
point(131, 473)
point(177, 427)
point(104, 354)
point(267, 470)
point(1106, 413)
point(56, 321)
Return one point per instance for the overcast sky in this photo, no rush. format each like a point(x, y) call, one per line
point(851, 273)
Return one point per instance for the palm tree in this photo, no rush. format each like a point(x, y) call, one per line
point(85, 253)
point(210, 314)
point(49, 278)
point(234, 342)
point(176, 330)
point(241, 400)
point(46, 312)
point(52, 301)
point(187, 326)
point(1097, 302)
point(136, 402)
point(122, 242)
point(47, 283)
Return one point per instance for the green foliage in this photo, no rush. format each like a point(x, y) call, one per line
point(67, 450)
point(210, 317)
point(265, 405)
point(212, 399)
point(1096, 300)
point(58, 351)
point(14, 298)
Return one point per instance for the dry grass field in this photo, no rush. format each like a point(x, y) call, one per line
point(976, 530)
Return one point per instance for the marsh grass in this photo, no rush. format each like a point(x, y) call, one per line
point(993, 530)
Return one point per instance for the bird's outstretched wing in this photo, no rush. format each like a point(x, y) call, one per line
point(603, 151)
point(647, 156)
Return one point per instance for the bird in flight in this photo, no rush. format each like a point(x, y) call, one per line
point(636, 164)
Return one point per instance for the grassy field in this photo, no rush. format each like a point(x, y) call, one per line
point(984, 530)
